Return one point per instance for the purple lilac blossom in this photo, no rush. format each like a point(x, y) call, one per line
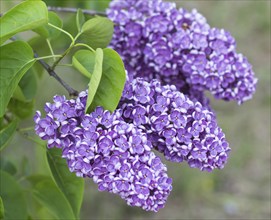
point(102, 146)
point(183, 130)
point(157, 40)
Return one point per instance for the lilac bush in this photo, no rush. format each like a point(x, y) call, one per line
point(151, 103)
point(172, 57)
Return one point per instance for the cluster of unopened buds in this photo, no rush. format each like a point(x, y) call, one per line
point(171, 56)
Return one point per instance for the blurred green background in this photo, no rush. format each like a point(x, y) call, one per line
point(242, 189)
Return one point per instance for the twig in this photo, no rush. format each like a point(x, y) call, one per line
point(71, 91)
point(13, 39)
point(74, 10)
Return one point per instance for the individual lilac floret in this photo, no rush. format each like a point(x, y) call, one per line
point(102, 146)
point(157, 40)
point(181, 129)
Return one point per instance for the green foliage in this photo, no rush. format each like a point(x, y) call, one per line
point(110, 84)
point(25, 167)
point(60, 195)
point(107, 77)
point(37, 68)
point(13, 197)
point(2, 209)
point(22, 109)
point(46, 192)
point(83, 61)
point(15, 59)
point(25, 16)
point(80, 19)
point(70, 185)
point(97, 32)
point(36, 42)
point(7, 166)
point(49, 32)
point(6, 133)
point(95, 79)
point(28, 85)
point(18, 94)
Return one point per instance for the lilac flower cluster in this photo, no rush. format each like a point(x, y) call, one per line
point(157, 40)
point(115, 150)
point(181, 129)
point(102, 146)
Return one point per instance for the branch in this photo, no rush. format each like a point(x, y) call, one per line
point(74, 10)
point(71, 91)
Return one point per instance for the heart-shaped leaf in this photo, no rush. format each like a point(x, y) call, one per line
point(47, 31)
point(83, 61)
point(111, 83)
point(71, 185)
point(97, 32)
point(24, 16)
point(15, 59)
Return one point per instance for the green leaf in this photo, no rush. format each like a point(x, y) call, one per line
point(2, 210)
point(28, 85)
point(35, 43)
point(38, 71)
point(18, 94)
point(71, 185)
point(27, 88)
point(111, 83)
point(46, 192)
point(97, 32)
point(2, 122)
point(80, 19)
point(24, 16)
point(7, 166)
point(13, 197)
point(21, 109)
point(25, 167)
point(6, 133)
point(95, 79)
point(47, 31)
point(83, 61)
point(15, 59)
